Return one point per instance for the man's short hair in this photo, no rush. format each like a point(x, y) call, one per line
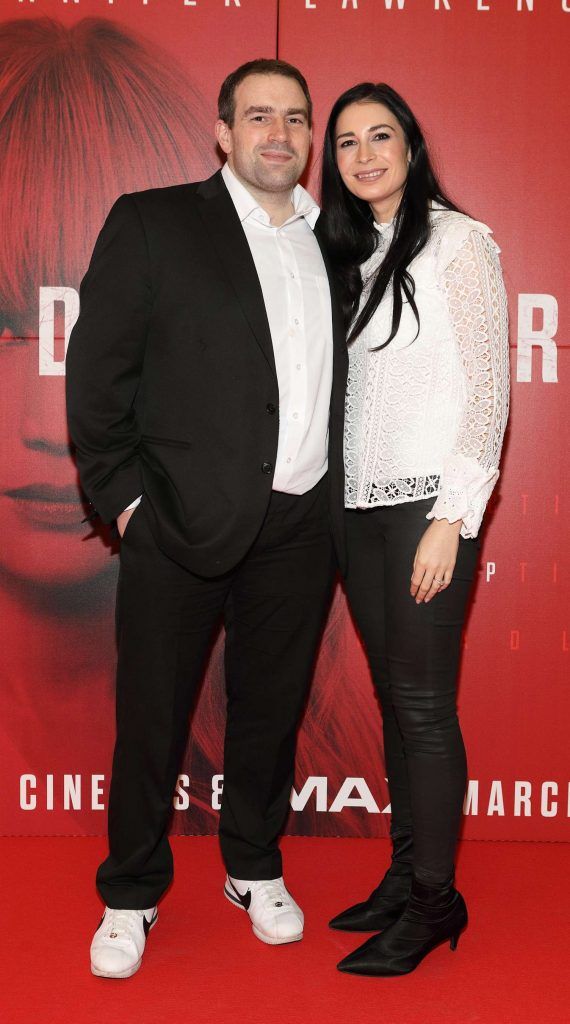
point(261, 66)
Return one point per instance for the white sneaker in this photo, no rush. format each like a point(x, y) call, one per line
point(118, 943)
point(275, 917)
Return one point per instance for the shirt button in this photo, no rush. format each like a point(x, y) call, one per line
point(270, 408)
point(289, 459)
point(296, 321)
point(295, 415)
point(266, 468)
point(298, 366)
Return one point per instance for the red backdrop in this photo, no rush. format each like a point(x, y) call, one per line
point(487, 80)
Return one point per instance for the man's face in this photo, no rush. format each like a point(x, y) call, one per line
point(268, 144)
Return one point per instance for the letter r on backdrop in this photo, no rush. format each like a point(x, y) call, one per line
point(542, 337)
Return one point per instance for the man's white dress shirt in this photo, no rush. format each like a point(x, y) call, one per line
point(296, 293)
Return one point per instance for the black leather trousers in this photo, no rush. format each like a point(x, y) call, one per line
point(413, 651)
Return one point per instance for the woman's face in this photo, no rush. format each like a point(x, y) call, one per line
point(43, 539)
point(372, 155)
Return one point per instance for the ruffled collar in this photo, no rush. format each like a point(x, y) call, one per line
point(385, 234)
point(386, 228)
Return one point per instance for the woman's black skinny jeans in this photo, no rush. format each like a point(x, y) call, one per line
point(413, 651)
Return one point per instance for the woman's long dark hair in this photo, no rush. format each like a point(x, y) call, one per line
point(349, 223)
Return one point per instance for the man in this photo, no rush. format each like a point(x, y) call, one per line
point(206, 377)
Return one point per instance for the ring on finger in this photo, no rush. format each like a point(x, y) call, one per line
point(439, 582)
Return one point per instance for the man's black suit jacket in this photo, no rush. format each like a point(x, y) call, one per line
point(171, 381)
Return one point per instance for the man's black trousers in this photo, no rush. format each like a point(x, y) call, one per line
point(274, 604)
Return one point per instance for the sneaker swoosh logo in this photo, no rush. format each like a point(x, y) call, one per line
point(147, 925)
point(238, 897)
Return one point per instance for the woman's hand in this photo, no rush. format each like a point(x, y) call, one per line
point(435, 559)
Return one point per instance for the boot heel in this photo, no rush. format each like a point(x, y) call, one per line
point(454, 940)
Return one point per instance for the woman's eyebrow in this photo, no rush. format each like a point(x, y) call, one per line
point(372, 129)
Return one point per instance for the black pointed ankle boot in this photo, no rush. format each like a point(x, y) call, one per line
point(432, 916)
point(388, 900)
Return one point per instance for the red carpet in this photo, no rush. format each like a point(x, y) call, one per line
point(203, 964)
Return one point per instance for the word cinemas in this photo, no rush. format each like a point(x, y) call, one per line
point(520, 798)
point(437, 5)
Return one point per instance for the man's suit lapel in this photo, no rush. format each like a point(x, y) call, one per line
point(227, 235)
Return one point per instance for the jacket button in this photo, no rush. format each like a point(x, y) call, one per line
point(270, 408)
point(266, 467)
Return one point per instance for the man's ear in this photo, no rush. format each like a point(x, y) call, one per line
point(224, 136)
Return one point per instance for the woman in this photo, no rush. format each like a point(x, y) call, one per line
point(426, 412)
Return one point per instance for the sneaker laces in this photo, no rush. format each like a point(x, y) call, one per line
point(119, 923)
point(275, 894)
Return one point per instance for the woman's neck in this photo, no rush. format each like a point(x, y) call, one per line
point(385, 210)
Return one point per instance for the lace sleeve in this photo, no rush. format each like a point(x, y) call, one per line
point(477, 301)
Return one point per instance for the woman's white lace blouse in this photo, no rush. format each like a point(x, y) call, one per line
point(426, 417)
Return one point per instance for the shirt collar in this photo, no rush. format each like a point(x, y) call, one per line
point(385, 227)
point(303, 203)
point(385, 234)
